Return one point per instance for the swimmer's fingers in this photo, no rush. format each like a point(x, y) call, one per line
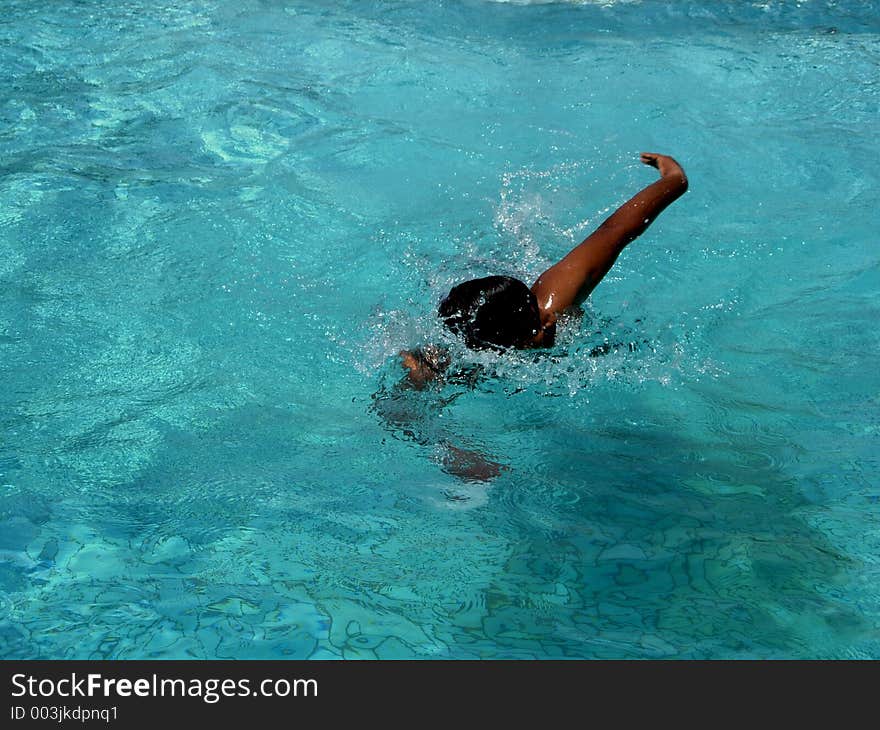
point(664, 163)
point(649, 158)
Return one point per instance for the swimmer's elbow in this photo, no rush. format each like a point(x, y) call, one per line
point(683, 184)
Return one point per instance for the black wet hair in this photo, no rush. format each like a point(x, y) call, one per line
point(495, 312)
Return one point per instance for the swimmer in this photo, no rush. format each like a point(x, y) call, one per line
point(500, 312)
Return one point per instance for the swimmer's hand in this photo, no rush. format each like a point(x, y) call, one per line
point(417, 374)
point(424, 364)
point(571, 280)
point(665, 165)
point(470, 466)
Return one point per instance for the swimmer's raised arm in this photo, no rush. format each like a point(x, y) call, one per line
point(571, 280)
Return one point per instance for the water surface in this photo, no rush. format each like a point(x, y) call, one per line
point(219, 221)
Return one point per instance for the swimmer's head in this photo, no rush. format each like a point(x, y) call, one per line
point(496, 312)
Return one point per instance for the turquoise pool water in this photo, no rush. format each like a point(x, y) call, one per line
point(219, 221)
